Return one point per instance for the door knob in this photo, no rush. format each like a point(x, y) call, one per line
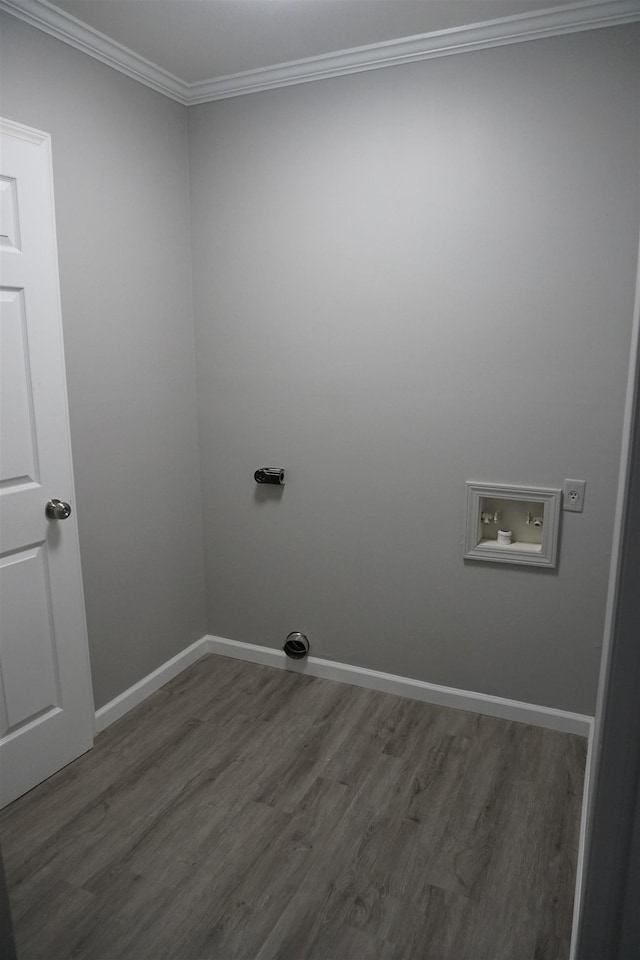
point(57, 510)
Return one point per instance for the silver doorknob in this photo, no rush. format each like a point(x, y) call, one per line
point(57, 510)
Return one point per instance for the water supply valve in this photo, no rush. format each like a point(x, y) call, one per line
point(274, 475)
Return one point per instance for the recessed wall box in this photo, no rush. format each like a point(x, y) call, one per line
point(531, 514)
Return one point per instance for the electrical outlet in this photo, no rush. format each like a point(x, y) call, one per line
point(573, 495)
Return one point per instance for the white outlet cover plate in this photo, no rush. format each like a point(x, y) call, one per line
point(573, 495)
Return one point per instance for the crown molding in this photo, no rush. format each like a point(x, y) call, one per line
point(62, 26)
point(585, 15)
point(10, 128)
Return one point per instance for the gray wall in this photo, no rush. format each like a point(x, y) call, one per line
point(120, 168)
point(405, 279)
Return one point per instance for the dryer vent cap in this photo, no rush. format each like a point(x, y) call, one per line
point(296, 646)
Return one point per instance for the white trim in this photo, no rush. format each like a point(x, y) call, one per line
point(586, 15)
point(139, 692)
point(483, 703)
point(10, 128)
point(533, 714)
point(61, 25)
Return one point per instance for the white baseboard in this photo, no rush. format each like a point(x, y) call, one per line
point(561, 720)
point(533, 714)
point(139, 692)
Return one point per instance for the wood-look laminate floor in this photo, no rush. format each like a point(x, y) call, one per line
point(246, 813)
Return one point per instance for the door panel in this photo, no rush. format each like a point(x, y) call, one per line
point(9, 234)
point(46, 706)
point(18, 461)
point(28, 653)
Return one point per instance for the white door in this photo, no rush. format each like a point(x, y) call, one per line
point(46, 704)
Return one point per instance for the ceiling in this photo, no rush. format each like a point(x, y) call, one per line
point(198, 40)
point(196, 51)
